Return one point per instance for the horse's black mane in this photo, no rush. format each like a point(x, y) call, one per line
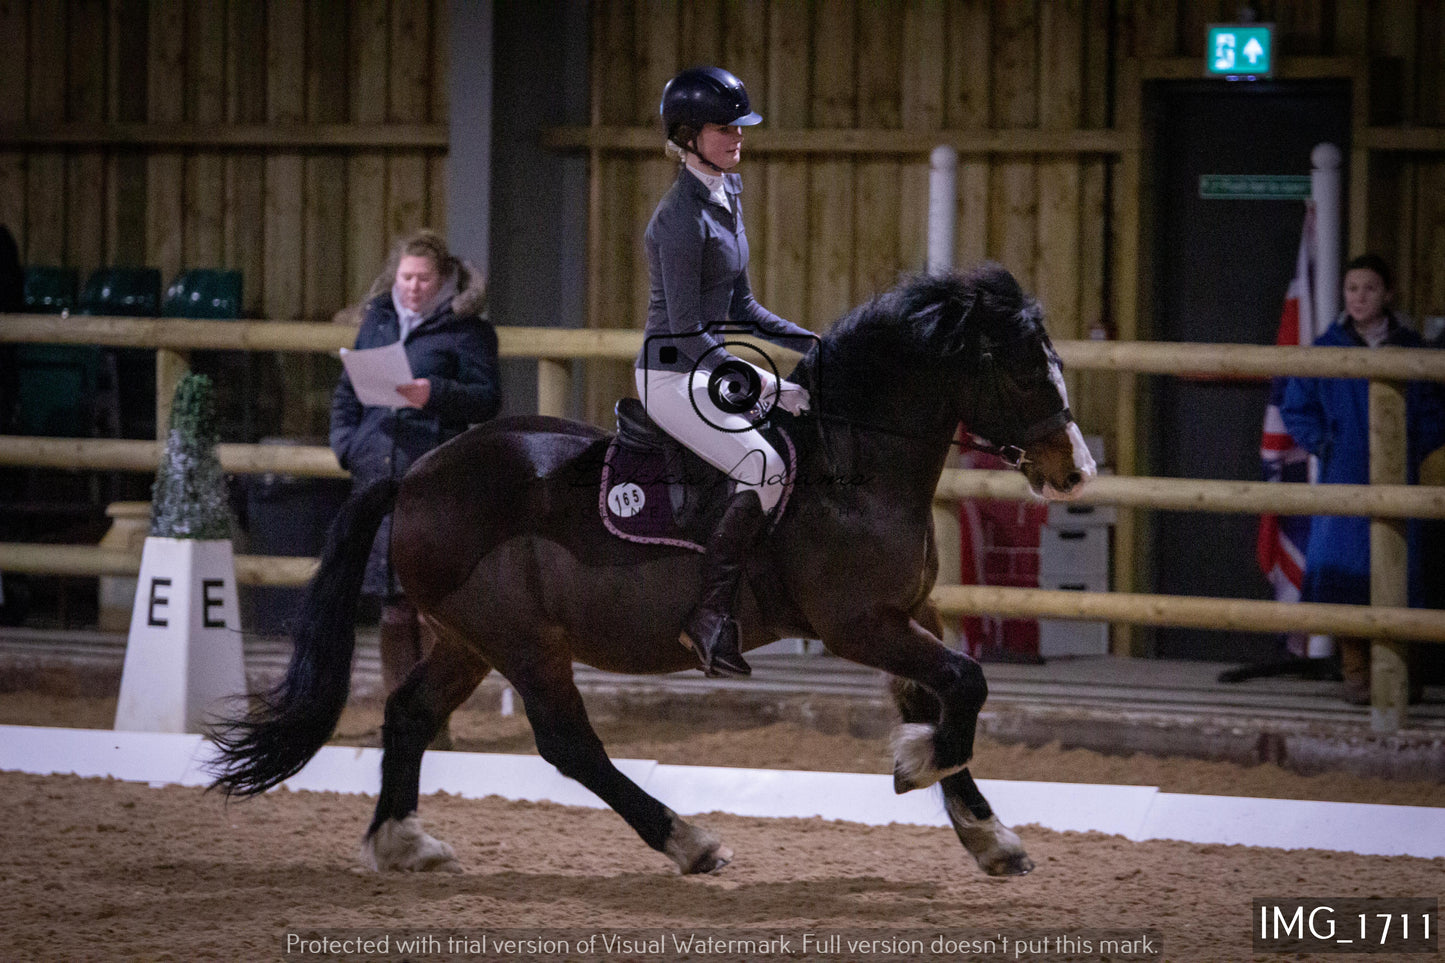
point(921, 322)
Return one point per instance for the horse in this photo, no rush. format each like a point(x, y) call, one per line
point(496, 538)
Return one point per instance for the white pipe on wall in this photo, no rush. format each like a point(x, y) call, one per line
point(942, 178)
point(1325, 189)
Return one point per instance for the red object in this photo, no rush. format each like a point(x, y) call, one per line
point(1280, 546)
point(1000, 547)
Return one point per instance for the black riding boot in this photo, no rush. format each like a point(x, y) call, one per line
point(710, 629)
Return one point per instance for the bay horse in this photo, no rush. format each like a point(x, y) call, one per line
point(496, 538)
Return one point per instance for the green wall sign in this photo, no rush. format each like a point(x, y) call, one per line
point(1239, 50)
point(1254, 187)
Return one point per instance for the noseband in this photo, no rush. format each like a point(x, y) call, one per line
point(1009, 423)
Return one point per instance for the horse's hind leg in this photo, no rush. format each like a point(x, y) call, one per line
point(996, 848)
point(414, 714)
point(566, 739)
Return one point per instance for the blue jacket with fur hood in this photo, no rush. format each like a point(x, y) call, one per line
point(454, 347)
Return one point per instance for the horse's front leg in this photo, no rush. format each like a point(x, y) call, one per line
point(924, 752)
point(995, 847)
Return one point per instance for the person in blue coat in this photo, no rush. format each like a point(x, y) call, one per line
point(432, 302)
point(1329, 418)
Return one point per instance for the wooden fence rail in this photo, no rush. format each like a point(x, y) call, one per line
point(1174, 494)
point(554, 351)
point(1140, 357)
point(1418, 625)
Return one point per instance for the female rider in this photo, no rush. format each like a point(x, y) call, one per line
point(697, 257)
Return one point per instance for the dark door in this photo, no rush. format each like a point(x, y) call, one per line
point(1223, 268)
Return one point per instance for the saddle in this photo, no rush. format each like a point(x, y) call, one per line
point(655, 491)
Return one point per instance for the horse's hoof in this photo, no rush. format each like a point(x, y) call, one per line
point(402, 845)
point(711, 861)
point(695, 850)
point(1009, 864)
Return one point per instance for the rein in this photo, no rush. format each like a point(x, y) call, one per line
point(1012, 455)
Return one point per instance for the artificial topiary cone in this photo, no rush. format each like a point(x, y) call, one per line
point(189, 496)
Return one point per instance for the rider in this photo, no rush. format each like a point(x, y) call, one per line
point(697, 257)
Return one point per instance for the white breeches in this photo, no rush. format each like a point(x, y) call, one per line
point(730, 443)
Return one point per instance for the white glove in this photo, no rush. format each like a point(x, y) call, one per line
point(793, 398)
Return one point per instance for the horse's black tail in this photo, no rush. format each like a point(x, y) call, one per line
point(287, 725)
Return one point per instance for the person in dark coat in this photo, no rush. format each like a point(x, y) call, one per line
point(1329, 418)
point(432, 302)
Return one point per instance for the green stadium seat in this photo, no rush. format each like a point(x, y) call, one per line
point(124, 291)
point(204, 293)
point(55, 384)
point(50, 290)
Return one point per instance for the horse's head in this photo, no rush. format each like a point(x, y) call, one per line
point(1013, 393)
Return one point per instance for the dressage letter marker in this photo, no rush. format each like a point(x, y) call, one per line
point(184, 650)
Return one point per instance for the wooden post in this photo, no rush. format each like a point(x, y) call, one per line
point(948, 537)
point(1389, 562)
point(171, 367)
point(1129, 189)
point(554, 387)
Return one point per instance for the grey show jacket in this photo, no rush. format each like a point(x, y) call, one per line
point(697, 258)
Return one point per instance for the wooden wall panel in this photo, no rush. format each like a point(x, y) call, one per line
point(45, 180)
point(702, 31)
point(876, 182)
point(1061, 24)
point(285, 173)
point(85, 100)
point(745, 53)
point(830, 186)
point(127, 46)
point(613, 256)
point(968, 105)
point(1429, 293)
point(166, 170)
point(14, 60)
point(205, 211)
point(410, 96)
point(1013, 214)
point(925, 58)
point(308, 230)
point(324, 207)
point(366, 231)
point(243, 221)
point(656, 57)
point(787, 230)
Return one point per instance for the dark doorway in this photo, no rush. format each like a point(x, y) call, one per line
point(1222, 270)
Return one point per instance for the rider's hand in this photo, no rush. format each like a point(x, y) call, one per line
point(416, 392)
point(793, 398)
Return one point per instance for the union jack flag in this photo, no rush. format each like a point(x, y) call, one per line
point(1283, 538)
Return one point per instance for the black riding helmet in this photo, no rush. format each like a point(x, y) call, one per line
point(704, 95)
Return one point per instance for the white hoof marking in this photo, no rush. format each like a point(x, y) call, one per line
point(914, 765)
point(996, 848)
point(403, 845)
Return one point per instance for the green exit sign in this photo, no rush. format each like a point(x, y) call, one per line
point(1237, 50)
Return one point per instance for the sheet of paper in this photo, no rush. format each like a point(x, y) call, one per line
point(375, 373)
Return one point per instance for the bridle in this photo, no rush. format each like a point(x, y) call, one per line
point(987, 376)
point(1012, 455)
